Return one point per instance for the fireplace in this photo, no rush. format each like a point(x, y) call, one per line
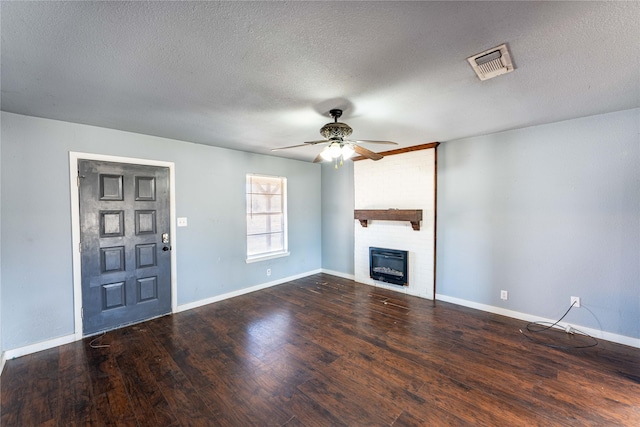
point(388, 265)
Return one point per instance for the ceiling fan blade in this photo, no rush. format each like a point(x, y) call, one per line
point(306, 144)
point(367, 153)
point(318, 159)
point(290, 146)
point(368, 141)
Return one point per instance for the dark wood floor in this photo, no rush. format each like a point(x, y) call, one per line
point(323, 351)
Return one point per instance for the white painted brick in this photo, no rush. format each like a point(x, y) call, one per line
point(403, 181)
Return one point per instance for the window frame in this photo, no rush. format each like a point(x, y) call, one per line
point(263, 256)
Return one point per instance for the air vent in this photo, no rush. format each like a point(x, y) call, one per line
point(491, 63)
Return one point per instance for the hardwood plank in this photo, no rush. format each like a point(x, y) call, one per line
point(310, 413)
point(183, 399)
point(335, 401)
point(477, 405)
point(247, 388)
point(75, 405)
point(429, 416)
point(319, 351)
point(109, 392)
point(147, 399)
point(14, 390)
point(41, 396)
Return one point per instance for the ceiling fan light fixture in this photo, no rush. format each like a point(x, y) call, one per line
point(347, 151)
point(335, 150)
point(338, 147)
point(326, 154)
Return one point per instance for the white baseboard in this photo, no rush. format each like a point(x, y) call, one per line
point(608, 336)
point(339, 274)
point(45, 345)
point(39, 346)
point(206, 301)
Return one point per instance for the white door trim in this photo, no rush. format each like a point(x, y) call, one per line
point(75, 226)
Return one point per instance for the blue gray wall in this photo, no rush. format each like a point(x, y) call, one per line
point(337, 218)
point(546, 212)
point(36, 265)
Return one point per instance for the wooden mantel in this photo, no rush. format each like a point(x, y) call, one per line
point(414, 216)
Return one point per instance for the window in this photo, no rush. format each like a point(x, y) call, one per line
point(266, 217)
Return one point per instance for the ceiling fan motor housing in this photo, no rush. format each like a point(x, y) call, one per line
point(336, 130)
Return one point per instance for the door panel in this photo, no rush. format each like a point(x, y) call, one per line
point(126, 267)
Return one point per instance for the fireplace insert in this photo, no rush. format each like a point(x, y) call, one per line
point(389, 265)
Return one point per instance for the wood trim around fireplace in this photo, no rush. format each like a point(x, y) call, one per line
point(402, 150)
point(414, 216)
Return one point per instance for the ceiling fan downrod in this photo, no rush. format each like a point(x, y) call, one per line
point(335, 113)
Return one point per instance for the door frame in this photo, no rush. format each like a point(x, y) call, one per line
point(74, 156)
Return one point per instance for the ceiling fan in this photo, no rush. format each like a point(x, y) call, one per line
point(337, 146)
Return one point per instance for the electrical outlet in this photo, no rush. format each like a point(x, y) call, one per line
point(575, 300)
point(504, 295)
point(268, 272)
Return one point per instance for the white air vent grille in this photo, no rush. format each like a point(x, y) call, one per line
point(492, 62)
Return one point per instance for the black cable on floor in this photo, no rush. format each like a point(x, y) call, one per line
point(93, 345)
point(543, 328)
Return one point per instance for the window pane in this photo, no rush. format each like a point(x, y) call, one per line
point(266, 215)
point(265, 243)
point(261, 203)
point(260, 224)
point(264, 185)
point(277, 223)
point(256, 224)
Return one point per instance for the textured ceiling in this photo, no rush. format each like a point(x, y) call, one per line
point(257, 75)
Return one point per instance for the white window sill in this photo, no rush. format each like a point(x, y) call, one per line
point(267, 257)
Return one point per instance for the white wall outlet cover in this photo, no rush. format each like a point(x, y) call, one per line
point(182, 222)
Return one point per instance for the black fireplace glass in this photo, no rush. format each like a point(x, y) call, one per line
point(389, 265)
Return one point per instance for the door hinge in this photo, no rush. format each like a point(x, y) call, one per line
point(80, 247)
point(82, 312)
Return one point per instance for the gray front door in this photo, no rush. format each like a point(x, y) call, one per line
point(125, 248)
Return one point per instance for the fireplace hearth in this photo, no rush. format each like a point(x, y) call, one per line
point(388, 265)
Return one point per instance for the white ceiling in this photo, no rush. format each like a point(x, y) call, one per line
point(253, 76)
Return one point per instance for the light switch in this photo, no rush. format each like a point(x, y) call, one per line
point(182, 222)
